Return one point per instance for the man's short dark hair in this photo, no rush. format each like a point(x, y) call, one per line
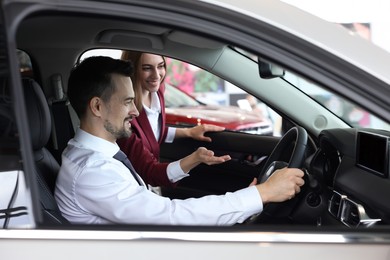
point(92, 78)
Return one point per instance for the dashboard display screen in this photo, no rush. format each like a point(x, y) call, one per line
point(373, 153)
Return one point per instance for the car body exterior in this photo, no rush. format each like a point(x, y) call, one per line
point(182, 109)
point(353, 220)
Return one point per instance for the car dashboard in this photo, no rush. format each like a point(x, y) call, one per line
point(352, 167)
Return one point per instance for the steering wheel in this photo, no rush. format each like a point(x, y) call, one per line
point(296, 136)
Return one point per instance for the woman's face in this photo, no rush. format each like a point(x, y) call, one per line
point(151, 71)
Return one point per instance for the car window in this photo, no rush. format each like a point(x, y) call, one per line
point(194, 96)
point(174, 97)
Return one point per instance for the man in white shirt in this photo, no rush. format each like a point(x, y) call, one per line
point(93, 187)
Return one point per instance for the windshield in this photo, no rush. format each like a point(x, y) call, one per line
point(349, 112)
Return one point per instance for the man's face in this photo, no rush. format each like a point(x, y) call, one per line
point(120, 109)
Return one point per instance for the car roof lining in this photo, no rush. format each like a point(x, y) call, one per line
point(96, 32)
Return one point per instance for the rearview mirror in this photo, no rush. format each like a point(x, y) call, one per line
point(268, 70)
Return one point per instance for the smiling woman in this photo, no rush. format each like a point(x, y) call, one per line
point(336, 94)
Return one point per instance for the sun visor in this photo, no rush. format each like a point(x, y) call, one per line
point(193, 40)
point(125, 37)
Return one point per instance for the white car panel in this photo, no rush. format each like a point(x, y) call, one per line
point(28, 241)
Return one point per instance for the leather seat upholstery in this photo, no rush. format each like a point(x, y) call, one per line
point(47, 167)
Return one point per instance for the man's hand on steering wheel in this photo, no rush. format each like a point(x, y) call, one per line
point(282, 185)
point(282, 180)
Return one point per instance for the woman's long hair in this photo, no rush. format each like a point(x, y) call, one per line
point(134, 57)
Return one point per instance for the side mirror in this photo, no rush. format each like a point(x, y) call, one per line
point(268, 70)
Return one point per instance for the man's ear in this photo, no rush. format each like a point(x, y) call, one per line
point(95, 104)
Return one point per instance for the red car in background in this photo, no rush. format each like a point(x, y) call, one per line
point(183, 109)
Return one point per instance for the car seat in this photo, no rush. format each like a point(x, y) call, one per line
point(46, 166)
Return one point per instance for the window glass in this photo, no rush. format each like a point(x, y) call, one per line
point(195, 96)
point(349, 112)
point(206, 98)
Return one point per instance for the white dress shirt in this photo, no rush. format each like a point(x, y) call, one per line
point(93, 187)
point(174, 172)
point(153, 114)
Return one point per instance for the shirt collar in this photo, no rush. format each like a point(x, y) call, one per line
point(95, 143)
point(155, 106)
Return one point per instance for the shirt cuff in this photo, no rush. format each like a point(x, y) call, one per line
point(251, 200)
point(175, 173)
point(170, 134)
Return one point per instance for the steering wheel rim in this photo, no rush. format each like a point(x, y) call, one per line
point(298, 135)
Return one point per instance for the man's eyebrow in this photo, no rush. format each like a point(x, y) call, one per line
point(129, 98)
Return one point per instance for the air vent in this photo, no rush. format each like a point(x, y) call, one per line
point(354, 215)
point(350, 214)
point(335, 204)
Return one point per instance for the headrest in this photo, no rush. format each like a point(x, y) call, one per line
point(38, 113)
